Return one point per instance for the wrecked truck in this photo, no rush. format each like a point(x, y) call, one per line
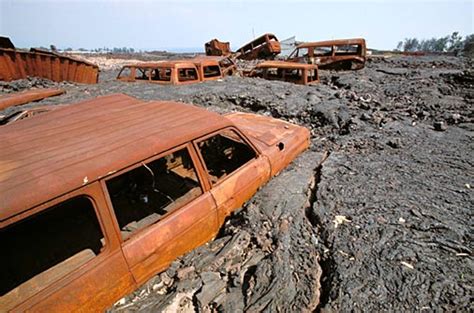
point(341, 54)
point(99, 196)
point(266, 46)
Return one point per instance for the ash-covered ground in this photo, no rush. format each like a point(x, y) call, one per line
point(375, 216)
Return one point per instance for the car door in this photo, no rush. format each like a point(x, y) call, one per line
point(162, 210)
point(234, 167)
point(63, 258)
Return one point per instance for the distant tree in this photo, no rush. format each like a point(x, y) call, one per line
point(468, 46)
point(453, 43)
point(53, 48)
point(82, 49)
point(400, 46)
point(411, 44)
point(68, 49)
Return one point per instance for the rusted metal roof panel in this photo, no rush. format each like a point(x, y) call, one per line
point(161, 64)
point(16, 64)
point(72, 146)
point(23, 97)
point(286, 64)
point(353, 41)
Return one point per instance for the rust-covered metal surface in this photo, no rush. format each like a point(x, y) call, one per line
point(23, 97)
point(298, 73)
point(26, 113)
point(178, 72)
point(76, 150)
point(123, 130)
point(341, 54)
point(17, 64)
point(266, 46)
point(217, 48)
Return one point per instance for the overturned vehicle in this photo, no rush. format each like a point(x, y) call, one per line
point(342, 54)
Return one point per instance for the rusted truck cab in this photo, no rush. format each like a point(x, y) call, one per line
point(95, 202)
point(341, 54)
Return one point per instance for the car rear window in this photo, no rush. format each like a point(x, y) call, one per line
point(46, 246)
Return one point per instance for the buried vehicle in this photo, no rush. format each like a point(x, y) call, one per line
point(95, 202)
point(178, 72)
point(297, 73)
point(342, 54)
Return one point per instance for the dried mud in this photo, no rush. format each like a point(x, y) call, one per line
point(375, 216)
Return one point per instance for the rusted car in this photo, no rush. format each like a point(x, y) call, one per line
point(96, 201)
point(342, 54)
point(266, 46)
point(176, 72)
point(217, 48)
point(297, 73)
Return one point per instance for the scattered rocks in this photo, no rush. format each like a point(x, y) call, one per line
point(440, 126)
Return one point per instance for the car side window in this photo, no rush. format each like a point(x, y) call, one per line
point(224, 153)
point(47, 246)
point(143, 195)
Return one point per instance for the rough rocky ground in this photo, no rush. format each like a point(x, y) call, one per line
point(376, 216)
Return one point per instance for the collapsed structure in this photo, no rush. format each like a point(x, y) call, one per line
point(18, 64)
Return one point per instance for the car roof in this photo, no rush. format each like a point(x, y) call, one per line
point(161, 64)
point(286, 65)
point(46, 156)
point(353, 41)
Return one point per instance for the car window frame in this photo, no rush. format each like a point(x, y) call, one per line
point(86, 191)
point(203, 163)
point(199, 174)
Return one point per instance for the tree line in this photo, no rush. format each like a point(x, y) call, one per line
point(453, 43)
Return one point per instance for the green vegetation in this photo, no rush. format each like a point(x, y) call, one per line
point(453, 43)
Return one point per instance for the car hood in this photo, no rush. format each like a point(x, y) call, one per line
point(279, 140)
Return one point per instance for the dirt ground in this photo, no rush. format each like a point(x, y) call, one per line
point(375, 216)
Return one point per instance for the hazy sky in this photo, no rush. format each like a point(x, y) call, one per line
point(184, 24)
